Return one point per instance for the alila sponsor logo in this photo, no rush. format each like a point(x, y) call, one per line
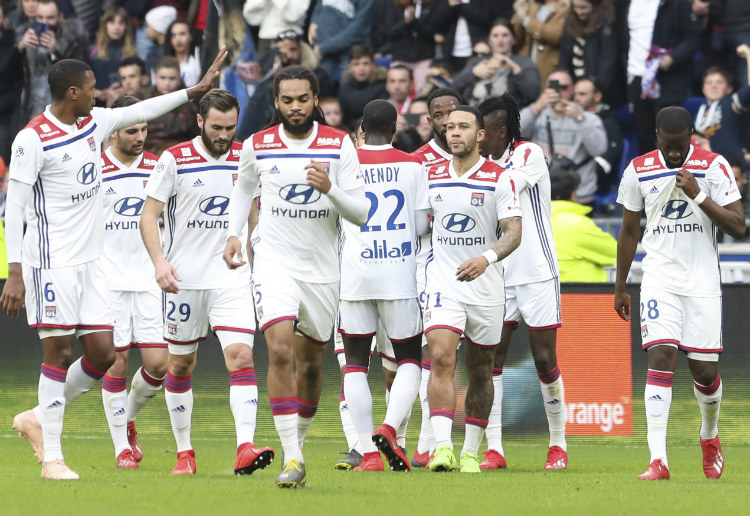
point(380, 250)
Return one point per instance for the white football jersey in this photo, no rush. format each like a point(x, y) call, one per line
point(61, 163)
point(467, 211)
point(429, 154)
point(378, 258)
point(297, 225)
point(196, 189)
point(535, 260)
point(126, 261)
point(679, 239)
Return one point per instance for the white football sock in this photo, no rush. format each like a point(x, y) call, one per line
point(473, 438)
point(243, 399)
point(426, 441)
point(352, 438)
point(442, 424)
point(178, 394)
point(709, 401)
point(115, 398)
point(143, 388)
point(81, 375)
point(357, 393)
point(658, 399)
point(286, 426)
point(51, 410)
point(494, 431)
point(553, 395)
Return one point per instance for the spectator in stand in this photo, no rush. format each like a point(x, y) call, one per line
point(538, 26)
point(115, 40)
point(274, 17)
point(470, 21)
point(179, 124)
point(23, 14)
point(588, 96)
point(569, 135)
point(362, 82)
point(439, 75)
point(331, 109)
point(11, 62)
point(133, 76)
point(663, 38)
point(727, 27)
point(399, 83)
point(180, 43)
point(741, 177)
point(46, 40)
point(408, 31)
point(335, 27)
point(590, 48)
point(583, 249)
point(290, 50)
point(156, 24)
point(721, 118)
point(503, 70)
point(419, 118)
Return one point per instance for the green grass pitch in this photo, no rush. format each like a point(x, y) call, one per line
point(600, 480)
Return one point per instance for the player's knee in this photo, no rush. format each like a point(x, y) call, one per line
point(706, 376)
point(443, 362)
point(281, 355)
point(103, 359)
point(181, 365)
point(238, 357)
point(120, 367)
point(545, 362)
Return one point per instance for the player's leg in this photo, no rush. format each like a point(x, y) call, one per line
point(384, 346)
point(661, 328)
point(494, 456)
point(443, 324)
point(426, 441)
point(702, 341)
point(483, 332)
point(353, 456)
point(148, 335)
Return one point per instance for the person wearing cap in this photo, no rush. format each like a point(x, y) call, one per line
point(157, 21)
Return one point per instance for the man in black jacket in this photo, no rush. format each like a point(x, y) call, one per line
point(672, 30)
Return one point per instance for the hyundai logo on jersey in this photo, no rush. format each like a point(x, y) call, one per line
point(215, 205)
point(299, 194)
point(458, 223)
point(380, 250)
point(87, 174)
point(129, 206)
point(677, 209)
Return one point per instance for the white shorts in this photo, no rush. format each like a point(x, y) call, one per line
point(401, 319)
point(538, 304)
point(691, 324)
point(380, 342)
point(188, 313)
point(279, 297)
point(482, 325)
point(68, 300)
point(139, 321)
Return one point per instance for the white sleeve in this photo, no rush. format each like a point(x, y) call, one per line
point(629, 195)
point(422, 221)
point(529, 165)
point(27, 157)
point(506, 198)
point(723, 185)
point(423, 190)
point(118, 118)
point(161, 183)
point(349, 173)
point(352, 204)
point(243, 193)
point(19, 195)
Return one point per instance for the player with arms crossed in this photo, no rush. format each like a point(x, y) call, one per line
point(687, 193)
point(532, 287)
point(55, 178)
point(134, 295)
point(194, 180)
point(310, 175)
point(440, 104)
point(378, 284)
point(470, 199)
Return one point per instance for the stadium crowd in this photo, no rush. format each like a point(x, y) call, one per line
point(561, 93)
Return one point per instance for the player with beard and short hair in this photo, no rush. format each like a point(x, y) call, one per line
point(440, 104)
point(135, 296)
point(471, 199)
point(310, 176)
point(194, 180)
point(532, 286)
point(687, 193)
point(55, 183)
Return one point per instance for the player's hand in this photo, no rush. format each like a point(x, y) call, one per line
point(14, 291)
point(211, 75)
point(317, 177)
point(233, 253)
point(167, 277)
point(687, 182)
point(622, 304)
point(472, 269)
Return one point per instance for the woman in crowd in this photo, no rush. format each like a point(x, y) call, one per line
point(538, 26)
point(115, 40)
point(590, 48)
point(180, 43)
point(503, 70)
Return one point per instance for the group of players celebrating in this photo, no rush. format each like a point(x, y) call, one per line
point(301, 232)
